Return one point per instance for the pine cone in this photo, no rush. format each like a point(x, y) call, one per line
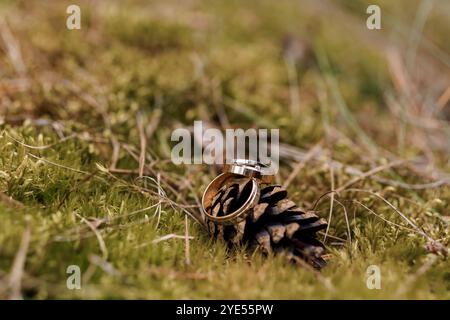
point(275, 224)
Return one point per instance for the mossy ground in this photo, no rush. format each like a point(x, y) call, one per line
point(367, 98)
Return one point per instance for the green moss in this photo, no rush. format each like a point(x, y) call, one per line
point(149, 34)
point(174, 62)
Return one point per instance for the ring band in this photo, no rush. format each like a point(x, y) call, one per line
point(239, 168)
point(248, 168)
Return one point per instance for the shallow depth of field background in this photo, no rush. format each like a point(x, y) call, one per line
point(352, 105)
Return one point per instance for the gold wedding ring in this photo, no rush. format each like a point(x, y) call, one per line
point(237, 169)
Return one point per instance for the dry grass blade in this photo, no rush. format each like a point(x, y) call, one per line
point(104, 265)
point(325, 281)
point(301, 164)
point(346, 220)
point(152, 126)
point(187, 253)
point(100, 240)
point(13, 48)
point(404, 217)
point(293, 86)
point(115, 154)
point(57, 164)
point(72, 136)
point(164, 238)
point(403, 289)
point(384, 219)
point(370, 173)
point(143, 142)
point(290, 152)
point(15, 277)
point(331, 203)
point(95, 137)
point(423, 11)
point(417, 186)
point(344, 110)
point(443, 99)
point(77, 232)
point(10, 202)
